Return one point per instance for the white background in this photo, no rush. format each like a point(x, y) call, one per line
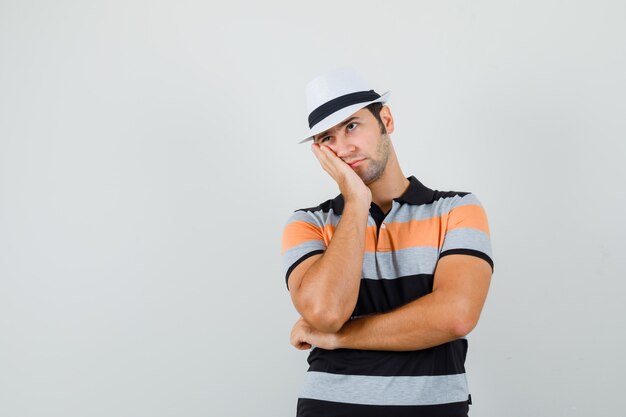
point(148, 163)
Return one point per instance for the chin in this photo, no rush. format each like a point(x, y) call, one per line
point(371, 179)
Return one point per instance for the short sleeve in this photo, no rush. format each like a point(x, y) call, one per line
point(303, 237)
point(467, 230)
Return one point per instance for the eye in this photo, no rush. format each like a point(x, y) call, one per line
point(352, 126)
point(322, 140)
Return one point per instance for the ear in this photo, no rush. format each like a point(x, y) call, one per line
point(387, 118)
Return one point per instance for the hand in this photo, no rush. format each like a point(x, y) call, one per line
point(350, 184)
point(303, 337)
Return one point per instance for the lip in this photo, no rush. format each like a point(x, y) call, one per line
point(355, 163)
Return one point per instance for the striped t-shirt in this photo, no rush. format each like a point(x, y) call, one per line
point(401, 253)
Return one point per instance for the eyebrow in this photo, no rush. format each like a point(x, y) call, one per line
point(338, 126)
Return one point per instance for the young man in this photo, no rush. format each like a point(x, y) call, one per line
point(388, 277)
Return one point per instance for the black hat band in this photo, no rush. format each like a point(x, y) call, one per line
point(339, 103)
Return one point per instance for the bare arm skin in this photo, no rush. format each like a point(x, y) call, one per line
point(451, 311)
point(324, 288)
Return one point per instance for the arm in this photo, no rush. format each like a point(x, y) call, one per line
point(324, 288)
point(451, 311)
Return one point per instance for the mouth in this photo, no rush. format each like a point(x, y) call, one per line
point(355, 163)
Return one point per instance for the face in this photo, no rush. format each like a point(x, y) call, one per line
point(358, 141)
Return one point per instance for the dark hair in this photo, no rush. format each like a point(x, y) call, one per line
point(375, 109)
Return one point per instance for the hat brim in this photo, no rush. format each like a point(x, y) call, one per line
point(341, 115)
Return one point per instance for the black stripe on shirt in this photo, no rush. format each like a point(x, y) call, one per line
point(383, 295)
point(298, 262)
point(317, 408)
point(472, 252)
point(445, 359)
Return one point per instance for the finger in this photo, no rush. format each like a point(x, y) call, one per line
point(297, 338)
point(300, 344)
point(330, 161)
point(329, 153)
point(334, 160)
point(322, 152)
point(324, 160)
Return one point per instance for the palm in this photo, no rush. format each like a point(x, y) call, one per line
point(349, 182)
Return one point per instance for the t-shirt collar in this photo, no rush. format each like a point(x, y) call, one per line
point(417, 193)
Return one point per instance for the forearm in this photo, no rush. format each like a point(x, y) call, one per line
point(450, 311)
point(426, 322)
point(330, 287)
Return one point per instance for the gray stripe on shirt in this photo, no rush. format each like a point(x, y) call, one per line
point(385, 390)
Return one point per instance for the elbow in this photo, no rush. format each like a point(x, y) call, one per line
point(462, 323)
point(462, 328)
point(327, 316)
point(325, 320)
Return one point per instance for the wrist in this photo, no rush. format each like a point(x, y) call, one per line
point(359, 206)
point(344, 335)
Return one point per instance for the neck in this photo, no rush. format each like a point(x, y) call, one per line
point(392, 184)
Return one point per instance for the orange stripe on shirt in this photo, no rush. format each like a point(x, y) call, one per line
point(427, 232)
point(471, 216)
point(298, 232)
point(395, 235)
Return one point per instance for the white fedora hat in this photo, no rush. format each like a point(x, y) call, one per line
point(336, 95)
